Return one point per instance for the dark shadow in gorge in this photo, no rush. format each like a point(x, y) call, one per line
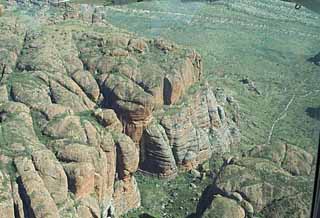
point(313, 112)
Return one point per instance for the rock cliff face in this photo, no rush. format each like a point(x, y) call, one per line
point(188, 134)
point(83, 105)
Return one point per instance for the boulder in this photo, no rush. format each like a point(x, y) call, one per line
point(52, 174)
point(138, 45)
point(127, 155)
point(87, 83)
point(222, 207)
point(155, 152)
point(164, 45)
point(30, 90)
point(273, 152)
point(80, 178)
point(126, 196)
point(297, 161)
point(108, 118)
point(75, 99)
point(66, 126)
point(88, 208)
point(292, 158)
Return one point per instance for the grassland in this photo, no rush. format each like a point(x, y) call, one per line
point(168, 198)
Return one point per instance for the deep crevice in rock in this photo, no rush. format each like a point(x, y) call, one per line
point(28, 211)
point(167, 91)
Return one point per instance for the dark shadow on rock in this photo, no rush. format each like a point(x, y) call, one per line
point(193, 215)
point(206, 199)
point(145, 215)
point(313, 112)
point(315, 59)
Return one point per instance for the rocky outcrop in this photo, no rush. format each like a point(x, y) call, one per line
point(260, 192)
point(141, 87)
point(257, 183)
point(129, 101)
point(297, 161)
point(108, 118)
point(127, 156)
point(126, 195)
point(66, 127)
point(80, 178)
point(87, 83)
point(52, 174)
point(34, 194)
point(134, 91)
point(187, 134)
point(222, 207)
point(66, 156)
point(81, 83)
point(83, 105)
point(291, 158)
point(156, 153)
point(266, 184)
point(71, 163)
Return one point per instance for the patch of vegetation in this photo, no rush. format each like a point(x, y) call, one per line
point(175, 198)
point(88, 116)
point(38, 123)
point(9, 169)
